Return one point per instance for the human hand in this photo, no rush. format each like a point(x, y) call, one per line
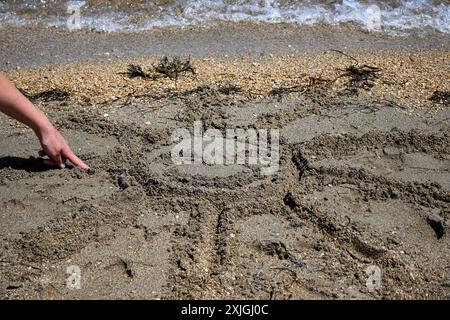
point(57, 149)
point(16, 105)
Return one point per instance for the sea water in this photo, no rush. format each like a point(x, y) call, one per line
point(392, 17)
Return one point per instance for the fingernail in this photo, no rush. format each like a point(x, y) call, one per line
point(62, 165)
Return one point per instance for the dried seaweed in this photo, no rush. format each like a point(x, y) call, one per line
point(441, 97)
point(166, 68)
point(48, 95)
point(230, 89)
point(285, 90)
point(312, 82)
point(173, 67)
point(135, 71)
point(360, 76)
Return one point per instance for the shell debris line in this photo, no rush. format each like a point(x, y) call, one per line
point(407, 79)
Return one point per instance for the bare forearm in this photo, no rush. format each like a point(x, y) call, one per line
point(15, 105)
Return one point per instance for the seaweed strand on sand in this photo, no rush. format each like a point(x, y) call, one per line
point(166, 68)
point(360, 75)
point(47, 95)
point(440, 97)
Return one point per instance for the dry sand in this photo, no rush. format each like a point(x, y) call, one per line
point(363, 180)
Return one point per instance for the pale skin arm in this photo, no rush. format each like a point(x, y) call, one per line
point(14, 104)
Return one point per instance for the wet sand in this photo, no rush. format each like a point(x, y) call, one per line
point(28, 47)
point(363, 177)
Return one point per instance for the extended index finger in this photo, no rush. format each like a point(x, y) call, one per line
point(69, 155)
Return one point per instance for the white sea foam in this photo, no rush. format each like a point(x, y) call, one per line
point(118, 15)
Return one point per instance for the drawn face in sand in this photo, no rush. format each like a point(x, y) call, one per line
point(356, 183)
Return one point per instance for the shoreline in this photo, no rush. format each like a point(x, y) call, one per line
point(27, 47)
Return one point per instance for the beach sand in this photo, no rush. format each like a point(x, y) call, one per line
point(363, 180)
